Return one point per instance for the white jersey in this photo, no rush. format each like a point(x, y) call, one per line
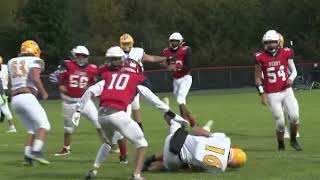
point(136, 54)
point(4, 75)
point(209, 153)
point(19, 71)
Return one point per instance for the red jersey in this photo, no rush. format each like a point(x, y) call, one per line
point(275, 69)
point(76, 78)
point(180, 56)
point(120, 88)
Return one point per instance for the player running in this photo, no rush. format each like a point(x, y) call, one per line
point(276, 91)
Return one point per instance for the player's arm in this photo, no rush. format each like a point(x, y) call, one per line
point(36, 79)
point(293, 71)
point(187, 63)
point(258, 83)
point(94, 90)
point(153, 59)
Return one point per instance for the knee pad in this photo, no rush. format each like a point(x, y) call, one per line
point(141, 142)
point(68, 130)
point(294, 119)
point(181, 100)
point(280, 125)
point(45, 125)
point(116, 137)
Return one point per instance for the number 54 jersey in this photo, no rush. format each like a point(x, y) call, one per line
point(76, 78)
point(19, 70)
point(275, 69)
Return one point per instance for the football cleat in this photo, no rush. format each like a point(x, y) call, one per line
point(92, 174)
point(138, 177)
point(12, 129)
point(296, 145)
point(180, 120)
point(123, 160)
point(38, 156)
point(64, 151)
point(27, 161)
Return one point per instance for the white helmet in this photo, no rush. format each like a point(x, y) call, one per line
point(80, 50)
point(176, 36)
point(115, 58)
point(115, 51)
point(271, 35)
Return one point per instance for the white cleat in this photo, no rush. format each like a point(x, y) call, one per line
point(92, 174)
point(12, 129)
point(208, 125)
point(180, 120)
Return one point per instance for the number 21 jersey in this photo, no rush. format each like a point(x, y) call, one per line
point(275, 69)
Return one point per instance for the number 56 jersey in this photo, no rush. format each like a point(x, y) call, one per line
point(275, 69)
point(19, 70)
point(76, 78)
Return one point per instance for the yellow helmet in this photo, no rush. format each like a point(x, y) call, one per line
point(281, 40)
point(30, 47)
point(126, 42)
point(237, 157)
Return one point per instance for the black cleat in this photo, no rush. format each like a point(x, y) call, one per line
point(296, 145)
point(27, 161)
point(281, 146)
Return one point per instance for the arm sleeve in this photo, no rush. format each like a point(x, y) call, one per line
point(292, 69)
point(188, 58)
point(95, 90)
point(38, 63)
point(152, 98)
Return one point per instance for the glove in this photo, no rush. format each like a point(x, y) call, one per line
point(76, 118)
point(4, 98)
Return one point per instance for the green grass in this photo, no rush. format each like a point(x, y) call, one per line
point(236, 112)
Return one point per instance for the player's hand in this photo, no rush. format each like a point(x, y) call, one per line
point(289, 82)
point(170, 60)
point(263, 98)
point(172, 67)
point(76, 118)
point(44, 95)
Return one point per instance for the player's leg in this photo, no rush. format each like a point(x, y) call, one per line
point(68, 110)
point(181, 95)
point(291, 104)
point(276, 108)
point(104, 149)
point(134, 134)
point(136, 114)
point(7, 113)
point(37, 117)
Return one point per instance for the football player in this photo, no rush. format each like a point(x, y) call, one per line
point(134, 59)
point(5, 110)
point(24, 78)
point(199, 151)
point(181, 67)
point(116, 91)
point(276, 91)
point(74, 77)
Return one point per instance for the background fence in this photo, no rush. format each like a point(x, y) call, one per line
point(208, 78)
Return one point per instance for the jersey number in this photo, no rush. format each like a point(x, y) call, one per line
point(272, 75)
point(19, 69)
point(211, 160)
point(77, 81)
point(119, 82)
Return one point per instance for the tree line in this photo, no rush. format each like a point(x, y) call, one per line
point(220, 32)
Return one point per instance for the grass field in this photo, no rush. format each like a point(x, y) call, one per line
point(236, 112)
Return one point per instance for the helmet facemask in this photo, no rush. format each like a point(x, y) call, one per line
point(271, 46)
point(126, 46)
point(174, 44)
point(81, 59)
point(114, 62)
